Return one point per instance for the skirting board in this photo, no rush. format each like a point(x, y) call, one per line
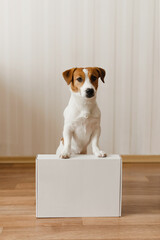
point(125, 159)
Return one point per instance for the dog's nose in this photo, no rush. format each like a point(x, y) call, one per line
point(89, 92)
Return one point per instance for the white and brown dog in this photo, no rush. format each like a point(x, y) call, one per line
point(82, 115)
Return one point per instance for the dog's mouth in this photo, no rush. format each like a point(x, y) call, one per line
point(89, 92)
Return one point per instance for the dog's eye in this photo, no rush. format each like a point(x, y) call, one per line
point(93, 78)
point(79, 79)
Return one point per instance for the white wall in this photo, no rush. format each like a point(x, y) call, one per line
point(39, 39)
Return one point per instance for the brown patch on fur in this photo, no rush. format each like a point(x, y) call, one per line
point(68, 75)
point(62, 140)
point(97, 73)
point(93, 72)
point(75, 84)
point(73, 74)
point(101, 72)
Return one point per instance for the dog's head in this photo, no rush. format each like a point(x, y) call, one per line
point(84, 81)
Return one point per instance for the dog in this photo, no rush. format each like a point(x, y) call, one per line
point(82, 115)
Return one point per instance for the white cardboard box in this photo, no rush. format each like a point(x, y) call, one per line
point(82, 186)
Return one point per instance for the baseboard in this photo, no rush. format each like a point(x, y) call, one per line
point(125, 159)
point(17, 159)
point(141, 158)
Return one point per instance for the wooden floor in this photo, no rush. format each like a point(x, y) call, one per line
point(140, 214)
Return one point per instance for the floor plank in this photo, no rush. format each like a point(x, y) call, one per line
point(140, 208)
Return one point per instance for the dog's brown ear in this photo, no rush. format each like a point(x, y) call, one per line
point(101, 72)
point(68, 75)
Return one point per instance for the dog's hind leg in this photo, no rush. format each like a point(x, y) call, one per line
point(60, 148)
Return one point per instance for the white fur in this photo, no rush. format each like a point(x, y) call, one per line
point(87, 84)
point(81, 124)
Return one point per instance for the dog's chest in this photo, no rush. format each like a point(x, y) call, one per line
point(84, 126)
point(82, 120)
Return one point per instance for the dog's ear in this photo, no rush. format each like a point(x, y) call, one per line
point(68, 75)
point(101, 73)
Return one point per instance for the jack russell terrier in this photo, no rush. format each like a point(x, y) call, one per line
point(82, 115)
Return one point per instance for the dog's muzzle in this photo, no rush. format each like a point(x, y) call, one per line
point(89, 92)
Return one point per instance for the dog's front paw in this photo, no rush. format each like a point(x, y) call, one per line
point(100, 154)
point(65, 155)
